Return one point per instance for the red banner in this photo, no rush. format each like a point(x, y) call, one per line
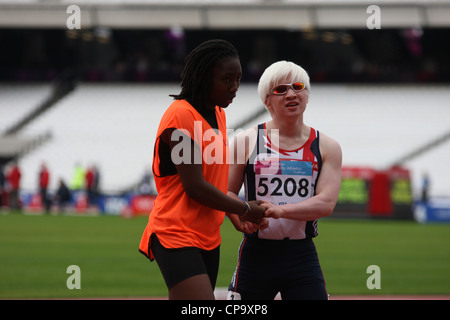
point(142, 205)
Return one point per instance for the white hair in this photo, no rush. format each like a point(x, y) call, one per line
point(281, 71)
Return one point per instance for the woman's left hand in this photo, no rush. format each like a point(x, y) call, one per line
point(272, 211)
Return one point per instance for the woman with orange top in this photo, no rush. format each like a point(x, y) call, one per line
point(190, 168)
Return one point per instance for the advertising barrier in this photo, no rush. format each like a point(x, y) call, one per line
point(127, 205)
point(435, 210)
point(366, 192)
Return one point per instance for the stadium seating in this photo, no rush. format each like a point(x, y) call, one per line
point(114, 127)
point(19, 100)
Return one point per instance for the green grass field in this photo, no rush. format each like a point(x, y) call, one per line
point(35, 252)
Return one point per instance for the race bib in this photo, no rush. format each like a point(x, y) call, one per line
point(283, 181)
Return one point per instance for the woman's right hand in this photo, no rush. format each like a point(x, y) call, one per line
point(256, 212)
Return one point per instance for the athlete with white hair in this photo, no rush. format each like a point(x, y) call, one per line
point(296, 172)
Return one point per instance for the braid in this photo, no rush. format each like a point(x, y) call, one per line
point(197, 72)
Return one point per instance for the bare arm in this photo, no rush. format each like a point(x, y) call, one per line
point(327, 189)
point(203, 192)
point(240, 149)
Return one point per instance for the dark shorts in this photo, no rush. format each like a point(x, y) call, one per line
point(180, 264)
point(266, 267)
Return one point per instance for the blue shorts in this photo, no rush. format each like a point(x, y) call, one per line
point(266, 267)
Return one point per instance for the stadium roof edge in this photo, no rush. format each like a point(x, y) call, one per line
point(230, 14)
point(223, 2)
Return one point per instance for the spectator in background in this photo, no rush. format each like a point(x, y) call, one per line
point(96, 182)
point(145, 187)
point(78, 178)
point(425, 187)
point(62, 196)
point(14, 176)
point(89, 178)
point(2, 186)
point(92, 180)
point(44, 178)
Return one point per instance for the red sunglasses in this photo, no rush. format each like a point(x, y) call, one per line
point(283, 88)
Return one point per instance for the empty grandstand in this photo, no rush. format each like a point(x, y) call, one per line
point(94, 95)
point(114, 126)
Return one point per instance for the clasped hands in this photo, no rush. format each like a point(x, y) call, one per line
point(257, 217)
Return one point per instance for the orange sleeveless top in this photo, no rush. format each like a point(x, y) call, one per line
point(178, 220)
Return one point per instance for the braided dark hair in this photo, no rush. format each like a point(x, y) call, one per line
point(197, 72)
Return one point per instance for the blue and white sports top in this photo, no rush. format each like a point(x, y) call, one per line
point(283, 177)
